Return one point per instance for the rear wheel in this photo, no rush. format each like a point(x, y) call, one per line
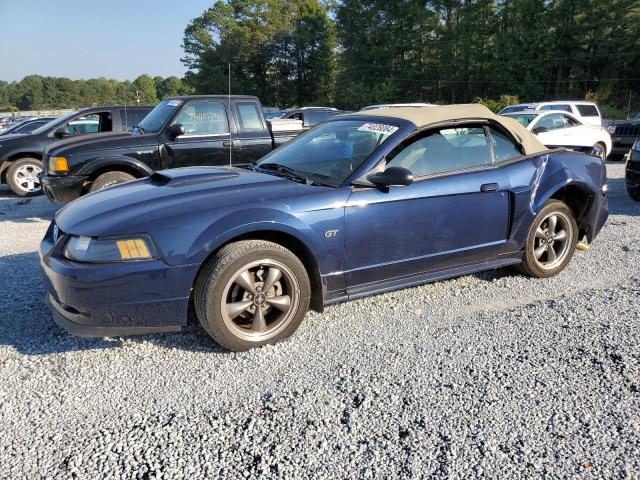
point(551, 241)
point(251, 293)
point(634, 192)
point(22, 176)
point(110, 179)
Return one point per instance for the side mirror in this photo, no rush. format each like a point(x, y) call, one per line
point(175, 131)
point(538, 130)
point(60, 133)
point(392, 176)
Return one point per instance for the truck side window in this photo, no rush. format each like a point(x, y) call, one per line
point(203, 118)
point(93, 123)
point(249, 116)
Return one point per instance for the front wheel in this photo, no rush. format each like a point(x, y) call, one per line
point(251, 293)
point(551, 240)
point(22, 176)
point(634, 192)
point(110, 179)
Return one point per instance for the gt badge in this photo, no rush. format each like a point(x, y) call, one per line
point(330, 233)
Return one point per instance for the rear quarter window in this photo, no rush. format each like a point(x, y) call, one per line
point(588, 110)
point(249, 116)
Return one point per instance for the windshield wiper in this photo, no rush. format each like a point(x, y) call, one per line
point(289, 172)
point(283, 170)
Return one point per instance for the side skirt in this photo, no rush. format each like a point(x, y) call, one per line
point(420, 279)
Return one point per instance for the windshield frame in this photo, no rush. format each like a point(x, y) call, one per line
point(404, 128)
point(176, 109)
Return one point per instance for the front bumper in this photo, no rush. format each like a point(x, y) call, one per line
point(62, 188)
point(632, 169)
point(114, 299)
point(622, 145)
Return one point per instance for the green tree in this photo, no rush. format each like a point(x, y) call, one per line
point(144, 90)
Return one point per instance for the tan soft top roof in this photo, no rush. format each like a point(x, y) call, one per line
point(424, 116)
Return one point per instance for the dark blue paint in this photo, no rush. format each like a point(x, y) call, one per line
point(435, 228)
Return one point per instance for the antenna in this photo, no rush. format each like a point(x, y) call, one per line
point(229, 113)
point(126, 118)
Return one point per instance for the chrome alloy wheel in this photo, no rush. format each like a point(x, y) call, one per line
point(552, 240)
point(27, 178)
point(260, 300)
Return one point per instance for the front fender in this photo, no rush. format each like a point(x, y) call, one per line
point(250, 220)
point(114, 161)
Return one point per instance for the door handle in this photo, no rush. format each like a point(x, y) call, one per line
point(490, 187)
point(228, 144)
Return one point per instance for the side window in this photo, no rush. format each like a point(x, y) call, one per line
point(84, 125)
point(562, 107)
point(503, 148)
point(588, 110)
point(551, 122)
point(444, 150)
point(316, 117)
point(249, 116)
point(203, 118)
point(295, 116)
point(131, 117)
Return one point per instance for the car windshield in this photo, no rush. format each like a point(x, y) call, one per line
point(54, 123)
point(157, 117)
point(524, 118)
point(330, 152)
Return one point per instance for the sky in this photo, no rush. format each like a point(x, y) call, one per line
point(94, 38)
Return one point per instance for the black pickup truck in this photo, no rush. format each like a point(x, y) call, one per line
point(21, 155)
point(179, 132)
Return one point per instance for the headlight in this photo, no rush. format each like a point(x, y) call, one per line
point(58, 165)
point(104, 250)
point(612, 129)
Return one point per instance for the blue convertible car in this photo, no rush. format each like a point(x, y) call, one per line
point(362, 204)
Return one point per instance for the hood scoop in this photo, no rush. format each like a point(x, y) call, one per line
point(188, 176)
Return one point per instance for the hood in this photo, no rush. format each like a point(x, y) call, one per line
point(13, 139)
point(99, 142)
point(169, 199)
point(12, 135)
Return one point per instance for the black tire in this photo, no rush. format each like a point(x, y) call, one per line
point(634, 192)
point(19, 183)
point(215, 286)
point(534, 266)
point(109, 179)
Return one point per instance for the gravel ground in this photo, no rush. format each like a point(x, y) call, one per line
point(486, 376)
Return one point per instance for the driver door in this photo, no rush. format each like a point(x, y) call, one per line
point(206, 139)
point(455, 212)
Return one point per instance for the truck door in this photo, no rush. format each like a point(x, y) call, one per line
point(253, 135)
point(206, 139)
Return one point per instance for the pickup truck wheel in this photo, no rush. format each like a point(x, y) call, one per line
point(22, 176)
point(551, 241)
point(251, 293)
point(110, 179)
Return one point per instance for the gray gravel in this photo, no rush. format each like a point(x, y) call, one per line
point(486, 376)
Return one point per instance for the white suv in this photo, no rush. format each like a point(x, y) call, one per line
point(587, 112)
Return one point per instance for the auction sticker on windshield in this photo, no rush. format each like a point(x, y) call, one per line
point(378, 128)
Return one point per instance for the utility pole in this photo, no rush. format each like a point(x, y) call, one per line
point(137, 97)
